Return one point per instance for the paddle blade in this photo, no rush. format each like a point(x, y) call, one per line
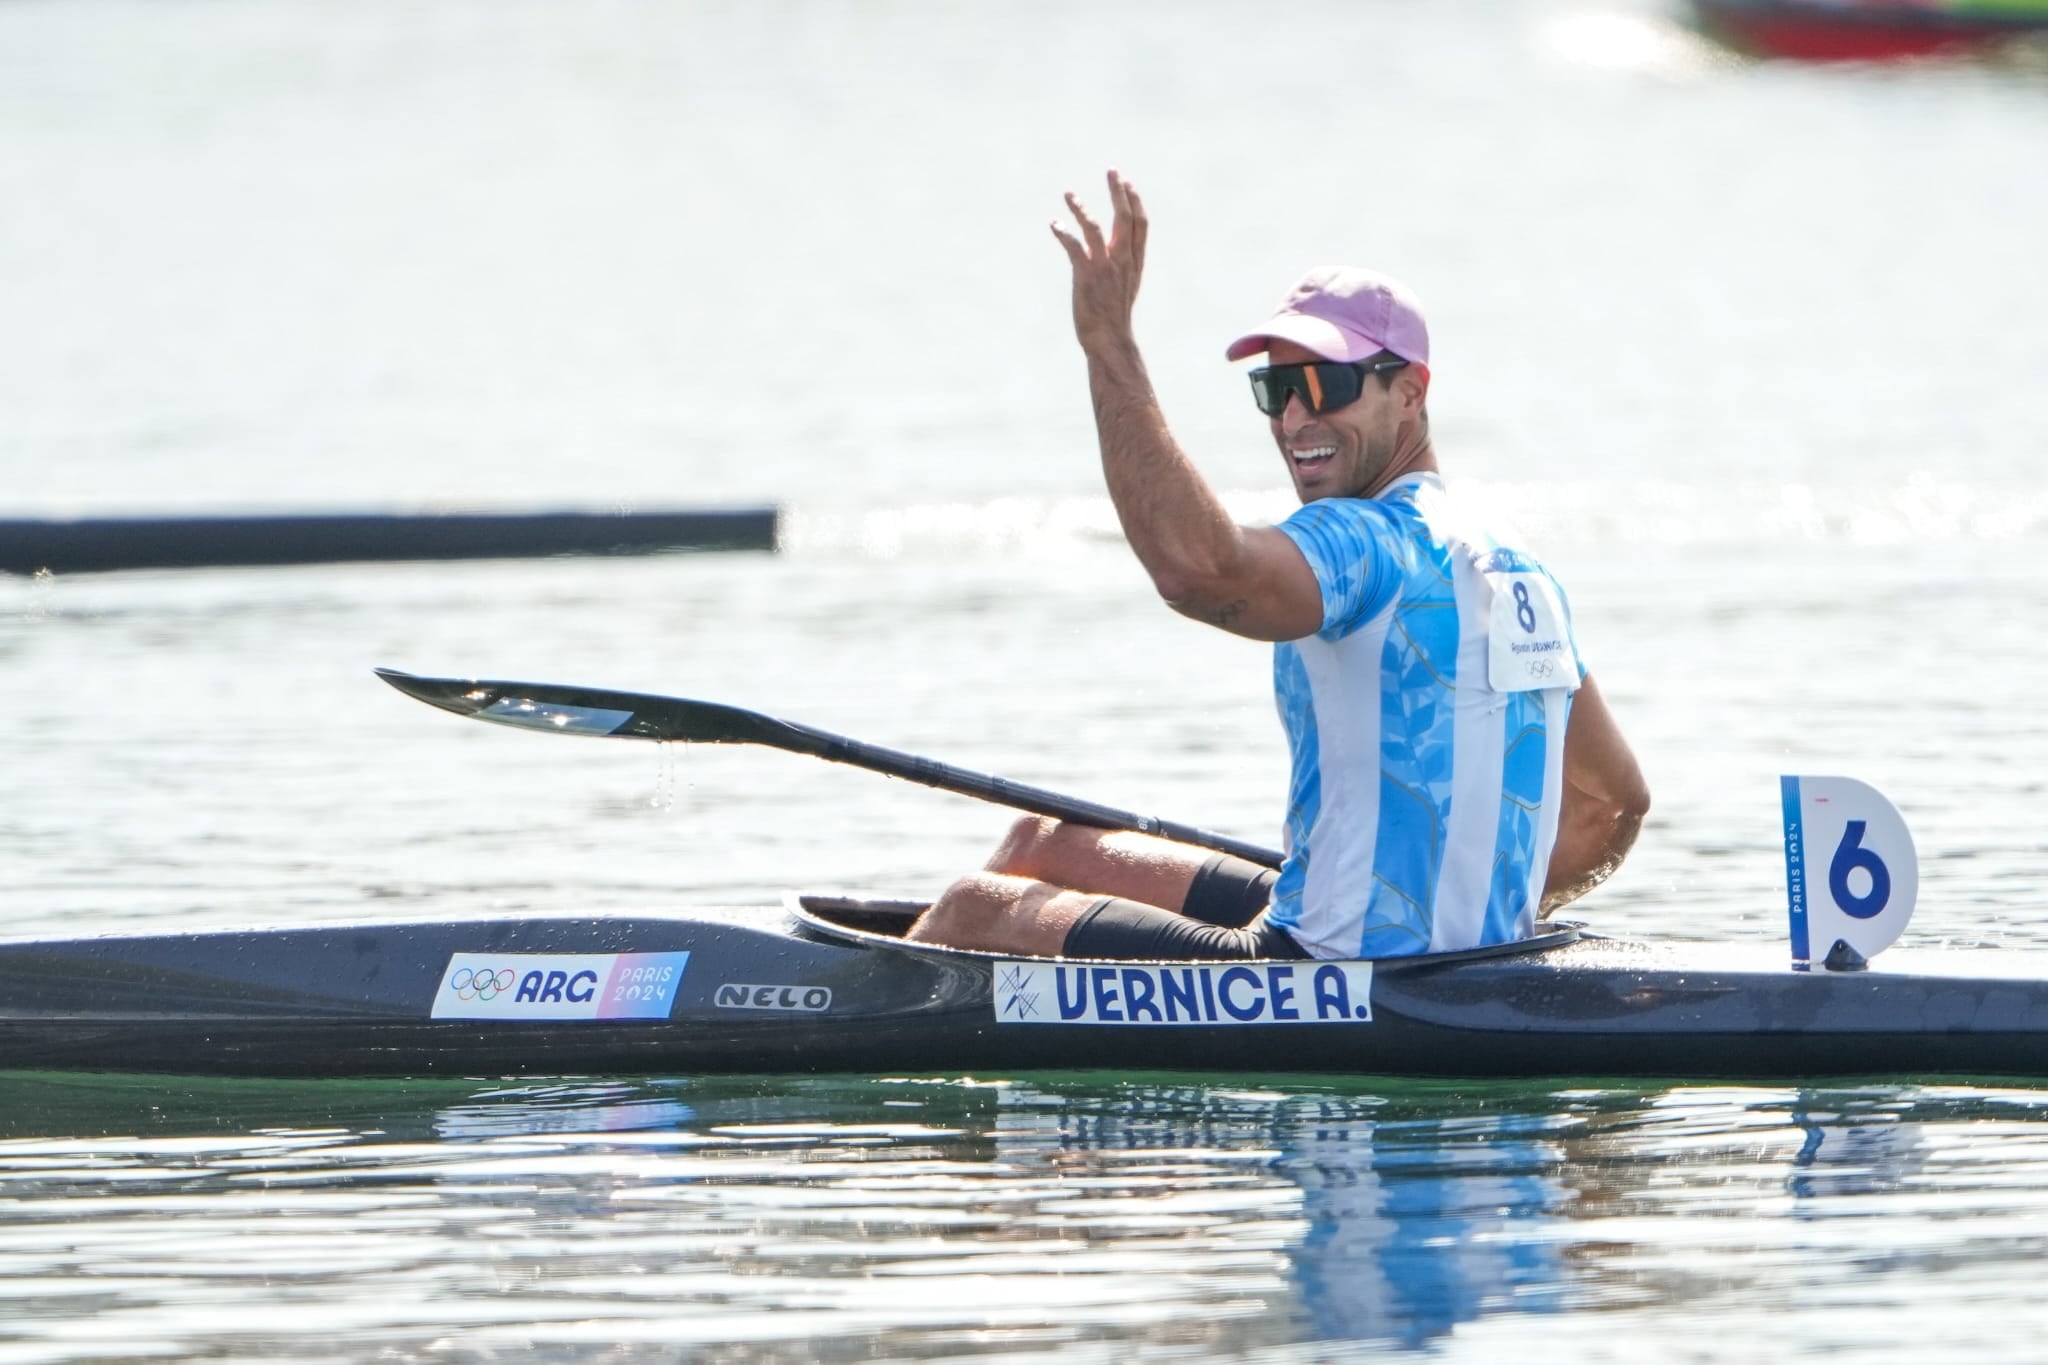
point(562, 709)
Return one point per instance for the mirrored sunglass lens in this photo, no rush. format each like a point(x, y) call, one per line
point(1276, 382)
point(1268, 395)
point(1340, 386)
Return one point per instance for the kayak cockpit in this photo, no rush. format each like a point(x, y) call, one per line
point(859, 919)
point(881, 922)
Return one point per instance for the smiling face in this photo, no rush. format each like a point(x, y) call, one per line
point(1351, 452)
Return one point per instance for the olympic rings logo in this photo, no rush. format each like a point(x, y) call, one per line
point(481, 983)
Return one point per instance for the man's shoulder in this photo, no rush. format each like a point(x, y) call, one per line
point(1462, 517)
point(1358, 515)
point(1346, 531)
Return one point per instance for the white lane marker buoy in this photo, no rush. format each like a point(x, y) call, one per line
point(1851, 875)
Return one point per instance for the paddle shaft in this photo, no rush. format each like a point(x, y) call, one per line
point(592, 711)
point(1002, 791)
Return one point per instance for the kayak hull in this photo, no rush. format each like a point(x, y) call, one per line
point(763, 990)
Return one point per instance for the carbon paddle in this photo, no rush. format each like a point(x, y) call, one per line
point(556, 708)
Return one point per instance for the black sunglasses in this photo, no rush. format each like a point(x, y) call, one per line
point(1323, 385)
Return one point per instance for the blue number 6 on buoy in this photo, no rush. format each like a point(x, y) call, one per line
point(1870, 843)
point(1852, 856)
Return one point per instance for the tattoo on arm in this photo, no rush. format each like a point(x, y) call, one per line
point(1225, 615)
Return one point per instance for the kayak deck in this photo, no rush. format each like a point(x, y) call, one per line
point(829, 988)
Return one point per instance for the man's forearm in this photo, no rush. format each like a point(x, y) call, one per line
point(1175, 523)
point(1590, 846)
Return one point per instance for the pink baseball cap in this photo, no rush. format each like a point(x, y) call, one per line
point(1344, 313)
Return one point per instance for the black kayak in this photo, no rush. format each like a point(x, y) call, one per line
point(826, 984)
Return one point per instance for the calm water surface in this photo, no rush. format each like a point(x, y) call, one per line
point(1113, 1217)
point(1752, 352)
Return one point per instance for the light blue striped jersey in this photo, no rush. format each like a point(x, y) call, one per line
point(1426, 723)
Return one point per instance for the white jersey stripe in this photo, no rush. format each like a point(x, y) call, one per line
point(1340, 870)
point(1557, 705)
point(1479, 745)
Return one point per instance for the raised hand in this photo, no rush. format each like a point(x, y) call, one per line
point(1106, 271)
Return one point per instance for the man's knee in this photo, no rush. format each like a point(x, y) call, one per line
point(1023, 846)
point(1047, 850)
point(965, 910)
point(995, 913)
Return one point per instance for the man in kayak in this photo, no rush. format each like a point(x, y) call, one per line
point(1456, 774)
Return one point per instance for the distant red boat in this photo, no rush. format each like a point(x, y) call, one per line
point(1869, 30)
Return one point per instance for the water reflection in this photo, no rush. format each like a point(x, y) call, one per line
point(787, 1218)
point(1401, 1225)
point(587, 1107)
point(1855, 1144)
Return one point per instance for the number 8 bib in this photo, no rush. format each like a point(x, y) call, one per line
point(1528, 648)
